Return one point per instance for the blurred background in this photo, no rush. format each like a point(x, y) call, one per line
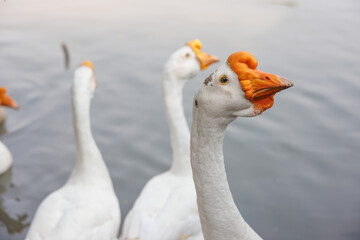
point(294, 171)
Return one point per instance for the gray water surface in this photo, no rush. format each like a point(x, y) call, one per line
point(294, 171)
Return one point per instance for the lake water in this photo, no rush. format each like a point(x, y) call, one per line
point(294, 171)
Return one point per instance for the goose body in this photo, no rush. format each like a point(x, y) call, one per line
point(236, 89)
point(6, 159)
point(86, 207)
point(166, 207)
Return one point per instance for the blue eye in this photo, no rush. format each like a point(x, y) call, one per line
point(223, 80)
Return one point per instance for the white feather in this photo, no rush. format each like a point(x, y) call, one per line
point(166, 208)
point(86, 207)
point(6, 159)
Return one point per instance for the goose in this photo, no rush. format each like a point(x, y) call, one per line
point(6, 159)
point(236, 89)
point(166, 207)
point(86, 207)
point(5, 101)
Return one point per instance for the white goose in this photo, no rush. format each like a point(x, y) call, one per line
point(235, 89)
point(86, 207)
point(6, 159)
point(166, 208)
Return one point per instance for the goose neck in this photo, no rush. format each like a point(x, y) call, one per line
point(220, 218)
point(179, 131)
point(89, 163)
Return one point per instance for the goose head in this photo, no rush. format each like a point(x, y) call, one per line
point(84, 79)
point(238, 89)
point(7, 101)
point(188, 61)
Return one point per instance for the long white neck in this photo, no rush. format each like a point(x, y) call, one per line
point(89, 166)
point(179, 130)
point(220, 218)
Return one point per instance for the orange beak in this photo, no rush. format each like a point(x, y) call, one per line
point(259, 87)
point(204, 59)
point(268, 84)
point(89, 64)
point(7, 101)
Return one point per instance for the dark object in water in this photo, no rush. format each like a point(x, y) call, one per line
point(13, 225)
point(67, 56)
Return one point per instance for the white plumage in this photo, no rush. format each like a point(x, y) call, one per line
point(166, 208)
point(235, 89)
point(86, 207)
point(6, 159)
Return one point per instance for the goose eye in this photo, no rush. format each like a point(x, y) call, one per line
point(187, 55)
point(223, 80)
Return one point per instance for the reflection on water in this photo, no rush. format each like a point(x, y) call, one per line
point(16, 224)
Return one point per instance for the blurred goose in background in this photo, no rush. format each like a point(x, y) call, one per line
point(86, 207)
point(236, 89)
point(5, 101)
point(6, 159)
point(166, 207)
